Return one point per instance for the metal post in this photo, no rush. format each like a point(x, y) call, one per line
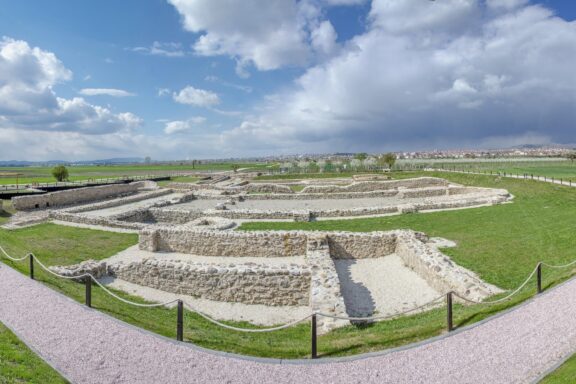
point(449, 317)
point(31, 256)
point(88, 282)
point(539, 277)
point(180, 322)
point(314, 338)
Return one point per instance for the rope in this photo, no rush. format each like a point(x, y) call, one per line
point(503, 298)
point(380, 317)
point(257, 330)
point(102, 286)
point(558, 266)
point(12, 258)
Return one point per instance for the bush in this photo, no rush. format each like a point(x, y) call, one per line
point(60, 173)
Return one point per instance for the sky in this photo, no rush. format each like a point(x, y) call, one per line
point(196, 79)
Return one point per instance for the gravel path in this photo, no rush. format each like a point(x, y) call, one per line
point(89, 347)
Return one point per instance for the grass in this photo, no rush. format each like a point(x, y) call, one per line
point(565, 374)
point(179, 179)
point(538, 225)
point(558, 169)
point(297, 188)
point(6, 211)
point(298, 176)
point(18, 364)
point(29, 175)
point(502, 243)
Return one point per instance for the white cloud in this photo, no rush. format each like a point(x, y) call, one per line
point(197, 97)
point(163, 92)
point(401, 16)
point(505, 4)
point(169, 49)
point(216, 79)
point(105, 91)
point(181, 126)
point(267, 34)
point(421, 79)
point(28, 102)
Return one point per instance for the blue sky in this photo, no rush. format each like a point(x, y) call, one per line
point(175, 79)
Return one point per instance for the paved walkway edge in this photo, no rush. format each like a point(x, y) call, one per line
point(304, 362)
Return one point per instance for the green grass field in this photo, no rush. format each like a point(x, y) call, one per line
point(502, 243)
point(557, 169)
point(18, 364)
point(31, 175)
point(565, 374)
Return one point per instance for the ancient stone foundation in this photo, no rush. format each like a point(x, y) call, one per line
point(247, 283)
point(75, 196)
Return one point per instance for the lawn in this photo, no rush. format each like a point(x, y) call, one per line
point(299, 176)
point(565, 374)
point(29, 175)
point(178, 179)
point(501, 243)
point(18, 364)
point(558, 169)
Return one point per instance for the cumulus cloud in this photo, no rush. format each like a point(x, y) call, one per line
point(181, 126)
point(28, 102)
point(268, 34)
point(169, 49)
point(421, 79)
point(197, 97)
point(106, 92)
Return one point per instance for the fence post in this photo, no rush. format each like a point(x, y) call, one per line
point(539, 277)
point(314, 338)
point(31, 256)
point(180, 322)
point(88, 282)
point(449, 317)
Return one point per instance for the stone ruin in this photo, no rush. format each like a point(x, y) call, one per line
point(185, 232)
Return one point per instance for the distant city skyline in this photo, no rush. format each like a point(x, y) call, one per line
point(196, 79)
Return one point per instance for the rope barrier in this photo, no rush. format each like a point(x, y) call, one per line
point(558, 266)
point(256, 330)
point(47, 269)
point(503, 298)
point(384, 317)
point(261, 330)
point(12, 258)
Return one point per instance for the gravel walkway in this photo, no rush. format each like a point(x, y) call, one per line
point(89, 347)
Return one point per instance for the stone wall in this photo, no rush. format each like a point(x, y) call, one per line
point(223, 243)
point(80, 218)
point(325, 293)
point(367, 186)
point(343, 245)
point(351, 245)
point(74, 196)
point(438, 270)
point(243, 283)
point(321, 196)
point(120, 201)
point(268, 188)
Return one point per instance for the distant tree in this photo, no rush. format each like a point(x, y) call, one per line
point(571, 156)
point(361, 156)
point(60, 173)
point(147, 160)
point(355, 163)
point(388, 159)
